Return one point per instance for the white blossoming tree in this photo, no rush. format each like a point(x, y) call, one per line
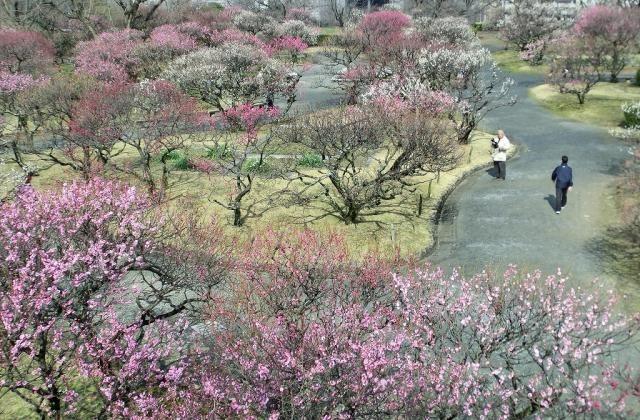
point(233, 74)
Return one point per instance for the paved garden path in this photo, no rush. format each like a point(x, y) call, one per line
point(490, 223)
point(487, 222)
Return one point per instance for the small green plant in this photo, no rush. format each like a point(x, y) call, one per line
point(638, 77)
point(174, 155)
point(476, 26)
point(310, 160)
point(252, 165)
point(219, 152)
point(182, 163)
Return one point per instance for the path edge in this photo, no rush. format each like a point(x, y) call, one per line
point(435, 216)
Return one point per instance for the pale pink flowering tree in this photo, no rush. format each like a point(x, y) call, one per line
point(15, 101)
point(400, 95)
point(173, 38)
point(573, 69)
point(232, 74)
point(110, 56)
point(241, 150)
point(92, 295)
point(610, 32)
point(89, 294)
point(25, 52)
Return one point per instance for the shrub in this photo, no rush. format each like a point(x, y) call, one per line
point(477, 26)
point(631, 112)
point(219, 152)
point(253, 165)
point(180, 160)
point(311, 160)
point(638, 77)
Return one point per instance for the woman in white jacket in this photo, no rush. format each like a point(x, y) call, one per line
point(501, 145)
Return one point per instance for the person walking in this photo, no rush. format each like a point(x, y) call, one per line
point(563, 177)
point(501, 145)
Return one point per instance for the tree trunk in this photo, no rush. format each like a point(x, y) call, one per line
point(237, 215)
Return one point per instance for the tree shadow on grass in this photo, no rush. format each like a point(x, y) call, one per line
point(618, 251)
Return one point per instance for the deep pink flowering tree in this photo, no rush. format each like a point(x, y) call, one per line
point(25, 52)
point(287, 47)
point(153, 117)
point(378, 26)
point(611, 32)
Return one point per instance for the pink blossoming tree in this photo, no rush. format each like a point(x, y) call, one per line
point(611, 32)
point(89, 294)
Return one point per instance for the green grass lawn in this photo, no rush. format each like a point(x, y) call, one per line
point(509, 60)
point(491, 39)
point(602, 105)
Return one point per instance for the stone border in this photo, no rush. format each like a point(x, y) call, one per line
point(434, 218)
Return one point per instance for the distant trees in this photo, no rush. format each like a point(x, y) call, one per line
point(610, 34)
point(529, 21)
point(442, 53)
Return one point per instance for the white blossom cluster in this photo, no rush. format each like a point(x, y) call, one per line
point(443, 66)
point(632, 111)
point(452, 31)
point(228, 74)
point(251, 22)
point(530, 20)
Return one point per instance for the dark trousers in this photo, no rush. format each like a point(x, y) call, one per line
point(501, 169)
point(561, 197)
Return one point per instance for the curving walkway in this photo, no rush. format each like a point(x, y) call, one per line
point(486, 222)
point(490, 223)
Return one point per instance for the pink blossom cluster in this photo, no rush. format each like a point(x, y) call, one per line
point(11, 83)
point(534, 52)
point(173, 38)
point(110, 56)
point(293, 326)
point(288, 44)
point(248, 116)
point(235, 36)
point(400, 95)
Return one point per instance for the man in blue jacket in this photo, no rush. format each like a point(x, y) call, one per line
point(563, 176)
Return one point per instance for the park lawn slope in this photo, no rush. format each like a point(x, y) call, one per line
point(602, 105)
point(509, 61)
point(398, 228)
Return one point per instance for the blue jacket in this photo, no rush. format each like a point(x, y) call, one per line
point(563, 176)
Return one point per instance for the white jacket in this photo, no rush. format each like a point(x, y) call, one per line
point(500, 152)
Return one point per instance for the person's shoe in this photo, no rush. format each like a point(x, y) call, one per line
point(557, 211)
